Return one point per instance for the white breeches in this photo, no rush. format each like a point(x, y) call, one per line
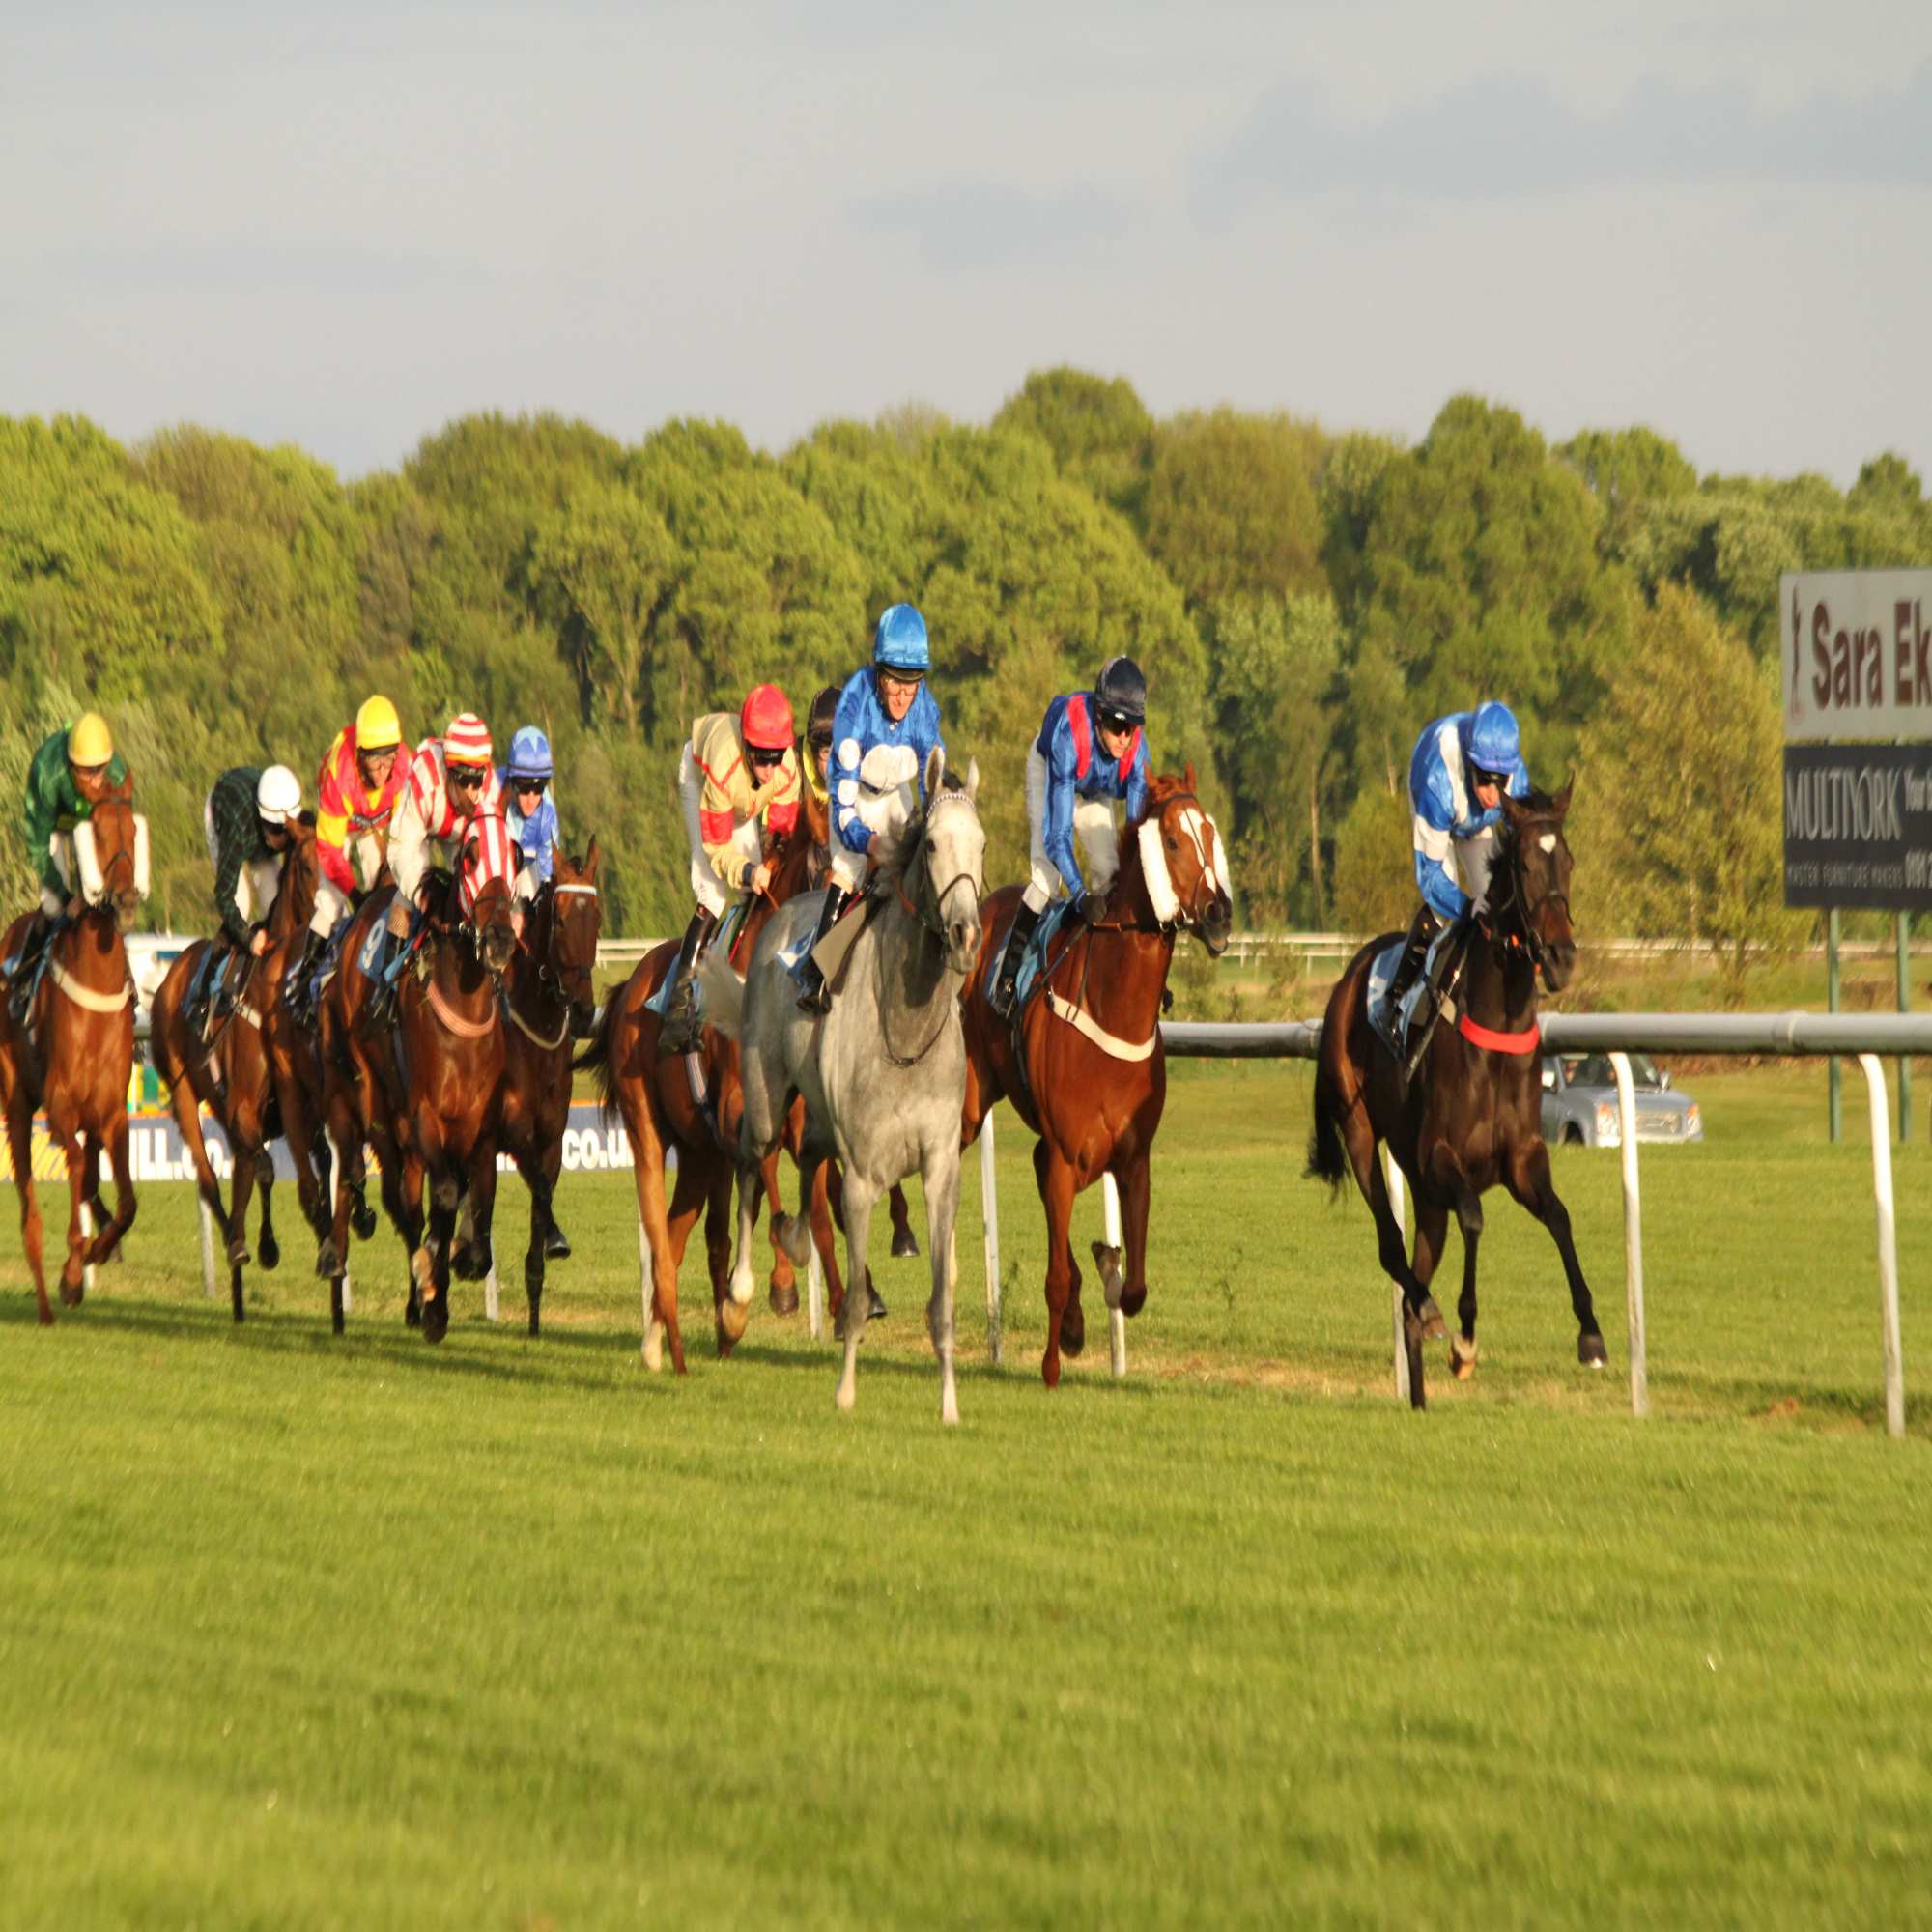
point(1093, 832)
point(1466, 862)
point(259, 880)
point(331, 904)
point(746, 841)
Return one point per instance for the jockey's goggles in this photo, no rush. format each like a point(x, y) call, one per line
point(1483, 778)
point(466, 774)
point(538, 785)
point(1117, 721)
point(763, 756)
point(901, 680)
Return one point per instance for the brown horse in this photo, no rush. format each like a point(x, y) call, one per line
point(549, 1001)
point(423, 1092)
point(1471, 1115)
point(76, 1053)
point(247, 1076)
point(1085, 1067)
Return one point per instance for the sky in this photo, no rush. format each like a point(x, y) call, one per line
point(342, 225)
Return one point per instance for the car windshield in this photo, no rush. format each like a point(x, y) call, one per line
point(1594, 1069)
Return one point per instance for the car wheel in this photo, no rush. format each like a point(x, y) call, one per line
point(1572, 1135)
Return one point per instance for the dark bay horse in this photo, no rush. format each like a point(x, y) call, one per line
point(423, 1092)
point(1087, 1072)
point(77, 1054)
point(549, 998)
point(1471, 1115)
point(249, 1076)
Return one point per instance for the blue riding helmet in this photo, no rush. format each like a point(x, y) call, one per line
point(1494, 743)
point(530, 755)
point(898, 644)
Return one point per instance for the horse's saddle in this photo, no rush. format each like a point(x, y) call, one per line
point(371, 960)
point(726, 936)
point(1031, 975)
point(831, 950)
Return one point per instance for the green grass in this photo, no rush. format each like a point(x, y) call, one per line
point(301, 1632)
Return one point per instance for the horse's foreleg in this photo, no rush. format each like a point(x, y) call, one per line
point(67, 1137)
point(827, 1209)
point(731, 1316)
point(107, 1241)
point(298, 1133)
point(905, 1243)
point(941, 1176)
point(20, 1145)
point(859, 1200)
point(268, 1250)
point(687, 1202)
point(186, 1110)
point(480, 1200)
point(1133, 1179)
point(1055, 1180)
point(788, 1232)
point(1462, 1345)
point(660, 1297)
point(1528, 1180)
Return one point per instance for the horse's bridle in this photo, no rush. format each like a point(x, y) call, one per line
point(1165, 928)
point(917, 829)
point(1531, 941)
point(549, 976)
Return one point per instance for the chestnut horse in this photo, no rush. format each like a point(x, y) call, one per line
point(548, 1000)
point(248, 1076)
point(423, 1091)
point(1083, 1064)
point(77, 1054)
point(1472, 1112)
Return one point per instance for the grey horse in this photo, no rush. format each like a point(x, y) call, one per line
point(883, 1074)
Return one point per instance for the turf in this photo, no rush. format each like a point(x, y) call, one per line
point(301, 1632)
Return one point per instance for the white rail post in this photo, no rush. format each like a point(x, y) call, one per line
point(207, 1247)
point(1399, 1207)
point(1888, 1244)
point(1117, 1322)
point(492, 1311)
point(1633, 1235)
point(989, 1211)
point(814, 1295)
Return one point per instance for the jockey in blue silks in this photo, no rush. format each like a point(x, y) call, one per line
point(529, 812)
point(885, 726)
point(1457, 774)
point(1091, 751)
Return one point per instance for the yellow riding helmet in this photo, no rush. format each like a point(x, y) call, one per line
point(378, 728)
point(89, 742)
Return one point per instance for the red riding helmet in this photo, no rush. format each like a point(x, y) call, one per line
point(766, 719)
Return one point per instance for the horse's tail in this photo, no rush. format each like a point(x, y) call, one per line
point(724, 994)
point(597, 1058)
point(1337, 1084)
point(1327, 1157)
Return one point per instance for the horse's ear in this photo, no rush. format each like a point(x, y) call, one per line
point(1560, 804)
point(590, 857)
point(973, 777)
point(1188, 774)
point(935, 770)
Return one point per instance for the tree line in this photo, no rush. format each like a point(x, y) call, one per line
point(1301, 599)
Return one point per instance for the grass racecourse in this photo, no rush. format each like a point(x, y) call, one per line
point(307, 1633)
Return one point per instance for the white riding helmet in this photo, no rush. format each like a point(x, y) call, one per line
point(278, 796)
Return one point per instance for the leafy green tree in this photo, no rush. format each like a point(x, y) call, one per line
point(1889, 486)
point(1678, 825)
point(1374, 864)
point(1627, 470)
point(1099, 431)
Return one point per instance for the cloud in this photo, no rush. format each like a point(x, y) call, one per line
point(1501, 136)
point(983, 225)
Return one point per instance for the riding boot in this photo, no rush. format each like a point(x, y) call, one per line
point(814, 996)
point(1005, 988)
point(1440, 965)
point(39, 929)
point(297, 977)
point(681, 1031)
point(1416, 949)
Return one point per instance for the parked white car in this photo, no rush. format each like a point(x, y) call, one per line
point(1579, 1102)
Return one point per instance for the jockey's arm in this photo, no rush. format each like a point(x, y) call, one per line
point(38, 822)
point(1434, 857)
point(1056, 831)
point(848, 745)
point(227, 876)
point(331, 834)
point(1137, 785)
point(409, 847)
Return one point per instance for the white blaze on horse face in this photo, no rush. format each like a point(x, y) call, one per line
point(1547, 842)
point(1206, 838)
point(1162, 895)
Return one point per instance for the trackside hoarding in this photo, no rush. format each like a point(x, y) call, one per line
point(1856, 647)
point(1858, 826)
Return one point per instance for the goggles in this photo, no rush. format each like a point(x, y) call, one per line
point(763, 756)
point(1118, 721)
point(534, 785)
point(466, 774)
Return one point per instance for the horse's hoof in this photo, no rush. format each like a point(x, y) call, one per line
point(72, 1292)
point(1072, 1330)
point(238, 1253)
point(875, 1302)
point(1461, 1359)
point(434, 1319)
point(906, 1245)
point(793, 1235)
point(1133, 1301)
point(1049, 1370)
point(467, 1263)
point(1429, 1320)
point(783, 1300)
point(412, 1314)
point(654, 1350)
point(363, 1218)
point(1591, 1352)
point(1108, 1260)
point(732, 1317)
point(268, 1252)
point(328, 1263)
point(557, 1244)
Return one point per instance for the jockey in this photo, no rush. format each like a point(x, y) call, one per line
point(71, 772)
point(1091, 751)
point(885, 726)
point(357, 790)
point(530, 811)
point(452, 781)
point(1462, 766)
point(818, 746)
point(245, 819)
point(737, 779)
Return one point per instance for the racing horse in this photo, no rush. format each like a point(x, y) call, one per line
point(250, 1075)
point(549, 997)
point(883, 1075)
point(423, 1092)
point(1083, 1061)
point(692, 1102)
point(1471, 1115)
point(75, 1055)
